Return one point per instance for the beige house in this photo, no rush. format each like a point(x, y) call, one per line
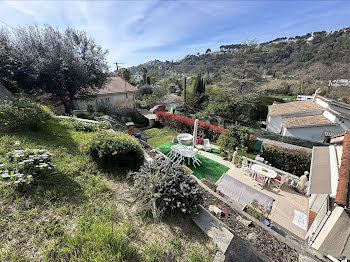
point(329, 215)
point(115, 94)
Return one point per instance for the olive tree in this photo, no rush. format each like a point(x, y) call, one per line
point(64, 63)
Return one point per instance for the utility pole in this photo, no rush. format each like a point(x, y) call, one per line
point(185, 95)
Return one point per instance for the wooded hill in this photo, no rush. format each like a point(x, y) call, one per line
point(320, 55)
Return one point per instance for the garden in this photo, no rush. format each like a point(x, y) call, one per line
point(66, 195)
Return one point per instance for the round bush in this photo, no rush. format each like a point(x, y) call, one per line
point(161, 188)
point(236, 136)
point(115, 149)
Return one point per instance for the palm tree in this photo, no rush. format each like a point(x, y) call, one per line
point(126, 75)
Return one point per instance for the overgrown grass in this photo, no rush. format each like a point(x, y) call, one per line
point(72, 215)
point(209, 169)
point(160, 136)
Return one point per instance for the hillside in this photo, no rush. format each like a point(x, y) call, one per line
point(326, 55)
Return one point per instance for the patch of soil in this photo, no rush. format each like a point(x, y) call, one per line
point(259, 238)
point(149, 150)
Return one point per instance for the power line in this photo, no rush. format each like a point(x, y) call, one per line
point(7, 25)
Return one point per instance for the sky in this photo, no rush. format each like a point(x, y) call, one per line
point(135, 32)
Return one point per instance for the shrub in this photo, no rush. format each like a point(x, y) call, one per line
point(290, 160)
point(90, 109)
point(22, 115)
point(161, 188)
point(115, 149)
point(22, 167)
point(236, 136)
point(74, 124)
point(185, 125)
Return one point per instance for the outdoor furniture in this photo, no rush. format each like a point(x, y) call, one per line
point(179, 153)
point(278, 182)
point(259, 158)
point(206, 145)
point(263, 171)
point(185, 139)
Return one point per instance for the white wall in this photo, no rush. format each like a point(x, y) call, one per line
point(333, 238)
point(274, 124)
point(315, 133)
point(116, 100)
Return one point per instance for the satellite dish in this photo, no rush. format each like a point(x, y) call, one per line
point(318, 90)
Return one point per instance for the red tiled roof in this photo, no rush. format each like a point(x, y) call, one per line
point(338, 135)
point(312, 216)
point(114, 85)
point(342, 196)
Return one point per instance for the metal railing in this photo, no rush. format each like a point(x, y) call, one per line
point(247, 162)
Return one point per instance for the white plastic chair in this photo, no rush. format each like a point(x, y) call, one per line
point(206, 144)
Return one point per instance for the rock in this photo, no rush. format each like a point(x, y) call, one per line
point(153, 151)
point(252, 236)
point(245, 222)
point(215, 210)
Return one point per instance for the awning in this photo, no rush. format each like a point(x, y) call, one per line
point(320, 173)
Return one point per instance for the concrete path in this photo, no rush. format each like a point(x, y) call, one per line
point(212, 228)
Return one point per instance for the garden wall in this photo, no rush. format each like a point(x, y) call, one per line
point(185, 125)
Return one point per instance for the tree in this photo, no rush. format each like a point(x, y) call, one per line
point(126, 75)
point(153, 76)
point(197, 96)
point(208, 51)
point(63, 63)
point(144, 75)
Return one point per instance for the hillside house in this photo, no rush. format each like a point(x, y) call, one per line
point(116, 93)
point(329, 217)
point(311, 119)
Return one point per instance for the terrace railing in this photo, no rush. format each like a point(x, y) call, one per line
point(292, 179)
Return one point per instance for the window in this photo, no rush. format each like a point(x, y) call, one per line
point(126, 95)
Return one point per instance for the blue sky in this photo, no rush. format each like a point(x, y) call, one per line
point(138, 31)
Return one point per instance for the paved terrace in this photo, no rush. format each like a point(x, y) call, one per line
point(286, 200)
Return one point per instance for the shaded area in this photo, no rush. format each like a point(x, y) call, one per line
point(209, 169)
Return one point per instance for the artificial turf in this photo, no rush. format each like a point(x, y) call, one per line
point(209, 169)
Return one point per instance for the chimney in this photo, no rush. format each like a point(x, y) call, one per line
point(318, 90)
point(130, 126)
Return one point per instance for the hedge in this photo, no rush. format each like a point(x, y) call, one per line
point(185, 125)
point(293, 161)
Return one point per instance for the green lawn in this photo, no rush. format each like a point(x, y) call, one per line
point(209, 169)
point(160, 136)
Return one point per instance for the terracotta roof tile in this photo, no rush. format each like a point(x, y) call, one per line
point(115, 84)
point(305, 121)
point(312, 216)
point(293, 108)
point(342, 196)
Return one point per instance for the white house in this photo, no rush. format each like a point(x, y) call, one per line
point(116, 93)
point(329, 220)
point(310, 119)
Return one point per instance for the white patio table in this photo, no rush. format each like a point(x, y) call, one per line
point(265, 171)
point(184, 152)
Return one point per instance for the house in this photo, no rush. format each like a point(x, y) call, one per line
point(137, 77)
point(309, 119)
point(116, 93)
point(329, 215)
